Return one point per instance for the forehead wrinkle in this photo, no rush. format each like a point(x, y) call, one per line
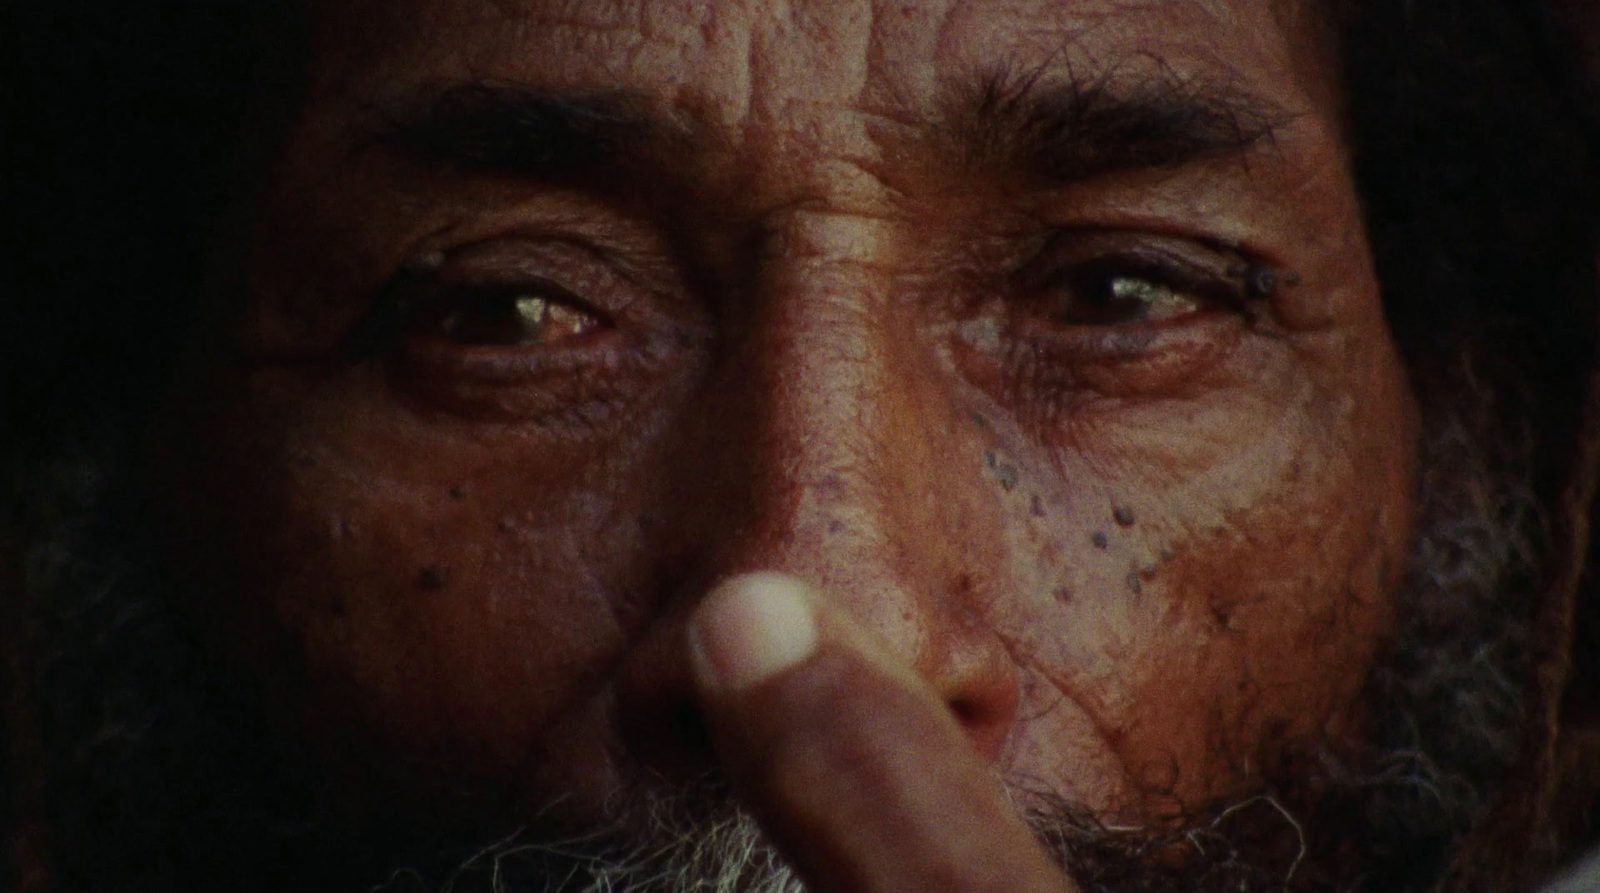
point(799, 63)
point(828, 91)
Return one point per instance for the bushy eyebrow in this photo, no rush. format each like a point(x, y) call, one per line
point(1071, 129)
point(517, 131)
point(1060, 129)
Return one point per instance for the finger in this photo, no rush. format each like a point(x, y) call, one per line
point(857, 771)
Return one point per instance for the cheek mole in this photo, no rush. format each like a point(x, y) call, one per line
point(432, 578)
point(1005, 472)
point(1007, 475)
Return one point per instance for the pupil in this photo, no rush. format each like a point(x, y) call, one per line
point(497, 319)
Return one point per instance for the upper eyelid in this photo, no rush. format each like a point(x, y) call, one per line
point(1193, 252)
point(603, 280)
point(1186, 262)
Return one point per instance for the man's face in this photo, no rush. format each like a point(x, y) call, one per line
point(1040, 336)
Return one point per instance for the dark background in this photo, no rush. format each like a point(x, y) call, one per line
point(122, 118)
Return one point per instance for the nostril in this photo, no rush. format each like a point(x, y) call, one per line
point(986, 720)
point(685, 725)
point(660, 723)
point(967, 711)
point(668, 738)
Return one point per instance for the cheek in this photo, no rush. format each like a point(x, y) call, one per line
point(446, 598)
point(1219, 599)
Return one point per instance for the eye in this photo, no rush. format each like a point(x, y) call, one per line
point(505, 317)
point(1101, 279)
point(423, 309)
point(1114, 293)
point(547, 329)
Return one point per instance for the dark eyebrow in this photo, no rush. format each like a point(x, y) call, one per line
point(1060, 130)
point(1074, 130)
point(516, 131)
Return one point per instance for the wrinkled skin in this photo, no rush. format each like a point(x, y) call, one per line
point(1141, 560)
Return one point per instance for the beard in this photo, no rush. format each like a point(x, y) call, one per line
point(698, 839)
point(150, 770)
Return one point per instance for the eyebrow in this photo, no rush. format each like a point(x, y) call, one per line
point(1075, 129)
point(1065, 131)
point(518, 131)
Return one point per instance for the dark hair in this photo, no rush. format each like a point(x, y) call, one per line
point(125, 123)
point(1477, 152)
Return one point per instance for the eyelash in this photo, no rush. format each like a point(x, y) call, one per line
point(1085, 273)
point(1015, 340)
point(1099, 289)
point(474, 315)
point(1090, 306)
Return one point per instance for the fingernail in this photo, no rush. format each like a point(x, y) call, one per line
point(749, 629)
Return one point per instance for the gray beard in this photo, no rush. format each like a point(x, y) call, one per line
point(146, 753)
point(724, 851)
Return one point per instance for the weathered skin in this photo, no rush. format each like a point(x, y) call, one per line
point(1137, 565)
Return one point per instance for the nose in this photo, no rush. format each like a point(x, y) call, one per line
point(829, 443)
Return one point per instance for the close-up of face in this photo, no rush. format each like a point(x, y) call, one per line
point(830, 445)
point(1042, 340)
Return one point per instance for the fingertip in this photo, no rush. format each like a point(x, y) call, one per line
point(749, 629)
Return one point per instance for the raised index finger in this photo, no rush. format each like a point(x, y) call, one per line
point(862, 777)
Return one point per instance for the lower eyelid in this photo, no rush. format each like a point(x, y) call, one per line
point(1053, 364)
point(592, 376)
point(512, 364)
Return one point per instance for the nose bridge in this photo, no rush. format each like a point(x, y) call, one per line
point(847, 437)
point(809, 374)
point(827, 448)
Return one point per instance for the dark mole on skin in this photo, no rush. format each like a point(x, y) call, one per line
point(979, 420)
point(1123, 515)
point(1261, 282)
point(431, 578)
point(1134, 585)
point(459, 491)
point(1036, 505)
point(1007, 475)
point(1100, 539)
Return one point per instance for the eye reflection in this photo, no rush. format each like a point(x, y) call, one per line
point(1103, 298)
point(512, 318)
point(1106, 278)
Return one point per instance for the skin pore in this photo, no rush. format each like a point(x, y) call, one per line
point(1039, 339)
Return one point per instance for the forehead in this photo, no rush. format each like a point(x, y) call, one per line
point(745, 63)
